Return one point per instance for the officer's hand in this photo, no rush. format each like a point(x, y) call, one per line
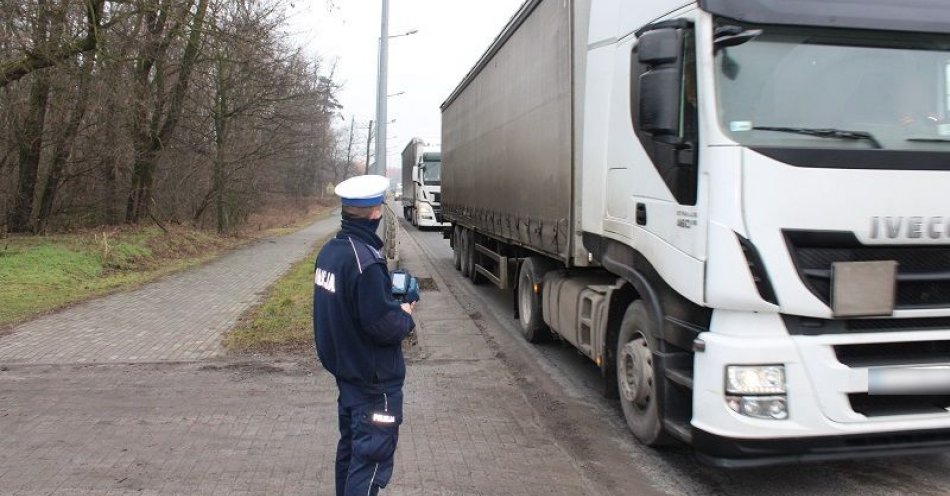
point(407, 307)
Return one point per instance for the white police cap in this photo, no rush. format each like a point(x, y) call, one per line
point(362, 191)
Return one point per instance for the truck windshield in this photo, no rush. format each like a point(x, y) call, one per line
point(824, 88)
point(432, 173)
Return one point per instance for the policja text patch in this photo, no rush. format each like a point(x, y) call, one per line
point(325, 280)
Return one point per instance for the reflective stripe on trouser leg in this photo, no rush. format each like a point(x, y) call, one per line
point(365, 476)
point(372, 480)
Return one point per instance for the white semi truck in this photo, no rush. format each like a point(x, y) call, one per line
point(422, 184)
point(738, 209)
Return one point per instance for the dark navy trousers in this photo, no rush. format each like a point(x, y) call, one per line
point(364, 455)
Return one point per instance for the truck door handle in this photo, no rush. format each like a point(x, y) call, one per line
point(641, 214)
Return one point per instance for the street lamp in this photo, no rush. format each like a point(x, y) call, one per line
point(381, 80)
point(407, 33)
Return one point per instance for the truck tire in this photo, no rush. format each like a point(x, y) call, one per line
point(464, 259)
point(405, 214)
point(530, 314)
point(637, 378)
point(415, 217)
point(456, 249)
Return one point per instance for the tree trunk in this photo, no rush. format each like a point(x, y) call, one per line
point(220, 128)
point(30, 144)
point(220, 214)
point(150, 144)
point(30, 135)
point(63, 146)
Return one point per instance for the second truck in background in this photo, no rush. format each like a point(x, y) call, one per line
point(422, 184)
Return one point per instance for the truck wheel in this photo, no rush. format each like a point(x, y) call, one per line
point(415, 216)
point(456, 249)
point(636, 377)
point(464, 260)
point(405, 214)
point(530, 315)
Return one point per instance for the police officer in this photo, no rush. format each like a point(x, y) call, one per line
point(359, 328)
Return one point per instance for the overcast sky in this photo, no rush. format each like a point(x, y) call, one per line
point(427, 66)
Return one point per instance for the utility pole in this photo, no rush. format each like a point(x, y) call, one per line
point(369, 141)
point(349, 145)
point(382, 76)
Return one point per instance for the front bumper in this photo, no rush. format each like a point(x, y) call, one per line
point(431, 218)
point(830, 415)
point(726, 452)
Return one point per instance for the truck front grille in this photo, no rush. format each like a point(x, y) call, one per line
point(895, 355)
point(891, 354)
point(887, 405)
point(923, 278)
point(808, 326)
point(887, 325)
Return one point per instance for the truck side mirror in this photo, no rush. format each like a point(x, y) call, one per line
point(660, 51)
point(663, 106)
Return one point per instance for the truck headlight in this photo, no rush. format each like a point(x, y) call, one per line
point(755, 379)
point(757, 391)
point(761, 407)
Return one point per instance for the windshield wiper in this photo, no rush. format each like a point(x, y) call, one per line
point(929, 140)
point(826, 133)
point(730, 36)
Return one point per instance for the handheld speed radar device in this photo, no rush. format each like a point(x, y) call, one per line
point(400, 282)
point(405, 287)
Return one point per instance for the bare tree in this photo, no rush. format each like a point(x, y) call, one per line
point(63, 142)
point(199, 110)
point(50, 52)
point(29, 133)
point(158, 112)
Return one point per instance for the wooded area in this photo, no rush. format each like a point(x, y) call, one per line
point(124, 111)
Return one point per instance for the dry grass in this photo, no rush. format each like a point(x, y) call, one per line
point(282, 323)
point(283, 216)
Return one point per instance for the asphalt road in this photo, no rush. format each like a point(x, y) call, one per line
point(565, 389)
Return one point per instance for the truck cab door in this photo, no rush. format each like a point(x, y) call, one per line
point(416, 183)
point(652, 186)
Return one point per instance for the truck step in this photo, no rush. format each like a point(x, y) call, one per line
point(683, 377)
point(680, 429)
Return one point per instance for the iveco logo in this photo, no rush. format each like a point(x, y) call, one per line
point(910, 227)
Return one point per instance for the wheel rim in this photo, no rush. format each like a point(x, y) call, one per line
point(525, 298)
point(636, 372)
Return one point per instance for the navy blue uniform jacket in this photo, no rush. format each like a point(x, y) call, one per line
point(358, 325)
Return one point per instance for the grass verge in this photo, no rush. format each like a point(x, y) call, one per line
point(39, 274)
point(282, 323)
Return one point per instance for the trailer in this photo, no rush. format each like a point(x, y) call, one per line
point(736, 209)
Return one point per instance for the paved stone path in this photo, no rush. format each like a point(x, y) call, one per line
point(253, 426)
point(178, 318)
